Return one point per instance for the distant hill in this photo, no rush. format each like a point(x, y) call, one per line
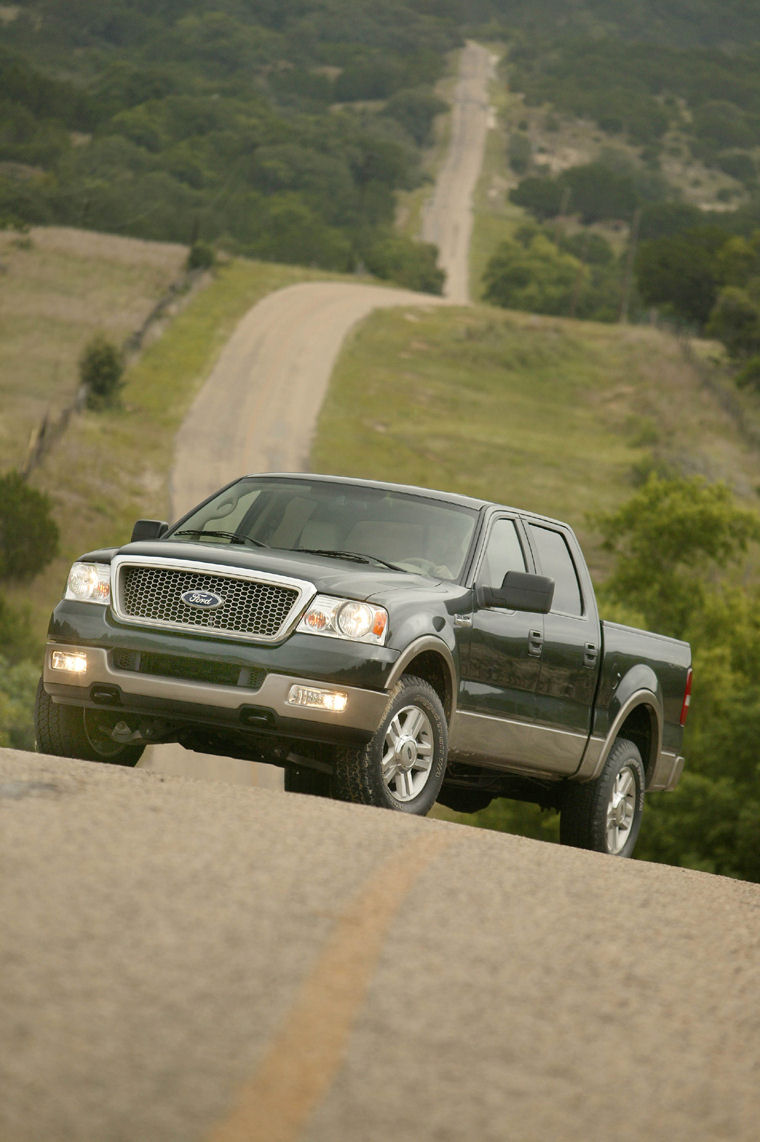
point(283, 129)
point(280, 129)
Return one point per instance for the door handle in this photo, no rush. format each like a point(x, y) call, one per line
point(590, 654)
point(535, 643)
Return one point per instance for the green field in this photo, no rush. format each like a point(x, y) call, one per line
point(557, 416)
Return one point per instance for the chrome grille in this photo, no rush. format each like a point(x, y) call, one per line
point(251, 608)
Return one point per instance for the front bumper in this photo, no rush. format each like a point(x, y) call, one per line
point(187, 703)
point(245, 692)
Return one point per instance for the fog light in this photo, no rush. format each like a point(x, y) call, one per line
point(70, 661)
point(333, 700)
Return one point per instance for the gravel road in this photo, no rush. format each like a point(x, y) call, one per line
point(447, 218)
point(187, 960)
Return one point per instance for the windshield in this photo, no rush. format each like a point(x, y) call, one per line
point(407, 531)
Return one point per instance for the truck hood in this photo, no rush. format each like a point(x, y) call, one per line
point(330, 576)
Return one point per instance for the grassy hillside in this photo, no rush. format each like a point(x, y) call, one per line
point(58, 287)
point(558, 416)
point(111, 467)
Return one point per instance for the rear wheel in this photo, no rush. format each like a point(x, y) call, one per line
point(404, 764)
point(73, 731)
point(605, 815)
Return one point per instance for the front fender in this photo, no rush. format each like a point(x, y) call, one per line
point(429, 644)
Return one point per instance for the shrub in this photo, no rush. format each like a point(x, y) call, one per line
point(201, 256)
point(28, 536)
point(409, 263)
point(100, 369)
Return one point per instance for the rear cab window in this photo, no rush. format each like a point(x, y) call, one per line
point(556, 561)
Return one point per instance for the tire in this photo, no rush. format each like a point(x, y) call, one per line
point(605, 814)
point(402, 767)
point(73, 731)
point(299, 779)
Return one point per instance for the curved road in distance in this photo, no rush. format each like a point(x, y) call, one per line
point(258, 409)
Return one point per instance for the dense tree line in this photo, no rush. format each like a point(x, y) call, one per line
point(281, 130)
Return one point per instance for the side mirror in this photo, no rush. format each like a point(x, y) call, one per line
point(519, 592)
point(149, 529)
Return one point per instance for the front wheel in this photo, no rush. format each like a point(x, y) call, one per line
point(73, 731)
point(605, 815)
point(404, 764)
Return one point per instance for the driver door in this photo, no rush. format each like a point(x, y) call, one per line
point(500, 656)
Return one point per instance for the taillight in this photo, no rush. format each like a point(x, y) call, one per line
point(686, 698)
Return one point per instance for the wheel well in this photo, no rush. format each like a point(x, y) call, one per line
point(640, 727)
point(432, 668)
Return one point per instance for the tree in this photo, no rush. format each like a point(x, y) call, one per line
point(541, 196)
point(100, 369)
point(599, 192)
point(411, 264)
point(681, 272)
point(735, 321)
point(679, 544)
point(670, 540)
point(533, 274)
point(28, 534)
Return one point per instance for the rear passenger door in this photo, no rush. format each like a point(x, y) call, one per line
point(570, 653)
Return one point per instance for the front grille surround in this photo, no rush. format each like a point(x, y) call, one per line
point(258, 606)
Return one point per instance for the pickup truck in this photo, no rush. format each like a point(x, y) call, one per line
point(383, 644)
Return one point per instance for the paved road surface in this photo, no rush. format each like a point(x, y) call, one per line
point(186, 960)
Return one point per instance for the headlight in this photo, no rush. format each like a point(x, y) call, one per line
point(345, 618)
point(89, 583)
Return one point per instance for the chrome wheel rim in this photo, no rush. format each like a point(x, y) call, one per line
point(408, 753)
point(621, 810)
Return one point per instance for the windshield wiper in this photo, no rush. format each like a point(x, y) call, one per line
point(355, 556)
point(231, 535)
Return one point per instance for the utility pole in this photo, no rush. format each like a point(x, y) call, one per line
point(628, 279)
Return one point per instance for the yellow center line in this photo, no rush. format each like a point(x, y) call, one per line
point(303, 1059)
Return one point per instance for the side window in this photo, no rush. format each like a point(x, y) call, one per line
point(503, 553)
point(557, 562)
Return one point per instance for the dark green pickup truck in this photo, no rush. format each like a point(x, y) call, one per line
point(383, 644)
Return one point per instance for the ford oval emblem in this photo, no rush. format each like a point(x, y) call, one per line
point(206, 600)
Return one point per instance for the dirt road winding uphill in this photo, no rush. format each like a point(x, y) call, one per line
point(447, 218)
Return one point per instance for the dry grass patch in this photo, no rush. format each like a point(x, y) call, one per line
point(58, 287)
